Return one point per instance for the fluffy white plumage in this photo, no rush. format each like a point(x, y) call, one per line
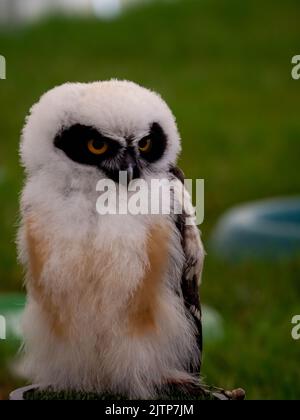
point(98, 318)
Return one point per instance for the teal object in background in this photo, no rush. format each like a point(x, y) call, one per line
point(213, 325)
point(267, 229)
point(11, 309)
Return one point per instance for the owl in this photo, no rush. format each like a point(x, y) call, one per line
point(113, 302)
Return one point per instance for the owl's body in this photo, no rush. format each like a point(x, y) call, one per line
point(106, 309)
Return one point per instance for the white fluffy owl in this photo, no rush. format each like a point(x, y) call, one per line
point(113, 301)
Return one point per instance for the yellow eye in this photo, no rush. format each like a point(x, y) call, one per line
point(145, 145)
point(97, 147)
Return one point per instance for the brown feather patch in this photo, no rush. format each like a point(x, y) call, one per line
point(38, 254)
point(143, 305)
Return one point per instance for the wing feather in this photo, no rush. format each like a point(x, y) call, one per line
point(194, 258)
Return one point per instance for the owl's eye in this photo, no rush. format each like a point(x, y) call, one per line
point(97, 147)
point(145, 145)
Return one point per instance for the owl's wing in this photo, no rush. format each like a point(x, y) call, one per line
point(194, 258)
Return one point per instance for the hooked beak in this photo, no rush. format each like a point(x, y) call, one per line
point(130, 173)
point(126, 173)
point(131, 169)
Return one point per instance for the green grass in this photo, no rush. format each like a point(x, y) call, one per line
point(224, 67)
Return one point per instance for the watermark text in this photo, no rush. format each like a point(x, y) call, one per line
point(296, 328)
point(154, 197)
point(296, 67)
point(2, 67)
point(2, 328)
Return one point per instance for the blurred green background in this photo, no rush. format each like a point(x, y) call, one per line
point(224, 66)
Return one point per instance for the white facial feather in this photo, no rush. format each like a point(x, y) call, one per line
point(92, 265)
point(115, 108)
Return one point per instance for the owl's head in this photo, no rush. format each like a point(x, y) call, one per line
point(101, 127)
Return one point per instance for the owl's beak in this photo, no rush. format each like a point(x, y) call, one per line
point(130, 173)
point(131, 168)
